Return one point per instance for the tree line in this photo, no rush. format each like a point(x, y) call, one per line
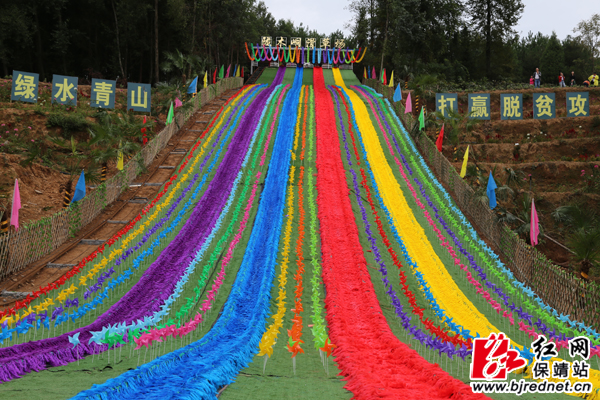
point(159, 40)
point(134, 40)
point(468, 40)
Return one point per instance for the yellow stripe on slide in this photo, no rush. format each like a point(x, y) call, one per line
point(442, 286)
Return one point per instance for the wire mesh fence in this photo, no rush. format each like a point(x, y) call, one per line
point(563, 291)
point(36, 239)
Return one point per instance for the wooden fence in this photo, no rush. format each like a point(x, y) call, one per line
point(563, 291)
point(36, 239)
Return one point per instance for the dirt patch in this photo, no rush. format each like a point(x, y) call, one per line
point(26, 132)
point(548, 176)
point(562, 149)
point(38, 185)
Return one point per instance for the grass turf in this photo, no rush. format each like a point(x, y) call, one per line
point(288, 78)
point(307, 79)
point(267, 75)
point(349, 77)
point(328, 77)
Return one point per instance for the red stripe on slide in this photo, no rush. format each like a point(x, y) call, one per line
point(374, 362)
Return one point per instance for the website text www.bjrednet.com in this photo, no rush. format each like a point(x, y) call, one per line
point(522, 386)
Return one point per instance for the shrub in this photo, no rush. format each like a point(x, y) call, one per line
point(68, 122)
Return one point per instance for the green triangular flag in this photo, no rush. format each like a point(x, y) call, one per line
point(421, 120)
point(222, 72)
point(170, 115)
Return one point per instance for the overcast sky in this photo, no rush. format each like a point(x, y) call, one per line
point(544, 16)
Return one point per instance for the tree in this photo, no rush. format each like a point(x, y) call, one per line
point(584, 242)
point(16, 32)
point(585, 246)
point(114, 134)
point(576, 217)
point(520, 221)
point(183, 64)
point(577, 55)
point(361, 26)
point(530, 50)
point(112, 3)
point(156, 40)
point(455, 124)
point(365, 32)
point(589, 34)
point(386, 11)
point(553, 60)
point(494, 19)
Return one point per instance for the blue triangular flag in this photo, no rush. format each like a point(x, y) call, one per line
point(193, 85)
point(491, 192)
point(79, 189)
point(369, 72)
point(398, 94)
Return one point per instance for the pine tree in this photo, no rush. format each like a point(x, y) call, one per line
point(494, 19)
point(589, 35)
point(553, 61)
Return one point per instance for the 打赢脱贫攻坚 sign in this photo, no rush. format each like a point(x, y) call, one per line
point(479, 106)
point(446, 101)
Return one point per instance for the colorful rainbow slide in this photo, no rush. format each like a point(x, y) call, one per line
point(303, 226)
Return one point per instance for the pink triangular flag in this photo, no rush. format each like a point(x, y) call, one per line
point(534, 225)
point(16, 206)
point(178, 102)
point(408, 104)
point(373, 76)
point(227, 74)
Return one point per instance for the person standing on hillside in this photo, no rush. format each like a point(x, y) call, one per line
point(573, 83)
point(537, 76)
point(531, 80)
point(561, 80)
point(593, 79)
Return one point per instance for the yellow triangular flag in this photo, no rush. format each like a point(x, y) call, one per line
point(237, 72)
point(205, 78)
point(392, 80)
point(463, 170)
point(120, 159)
